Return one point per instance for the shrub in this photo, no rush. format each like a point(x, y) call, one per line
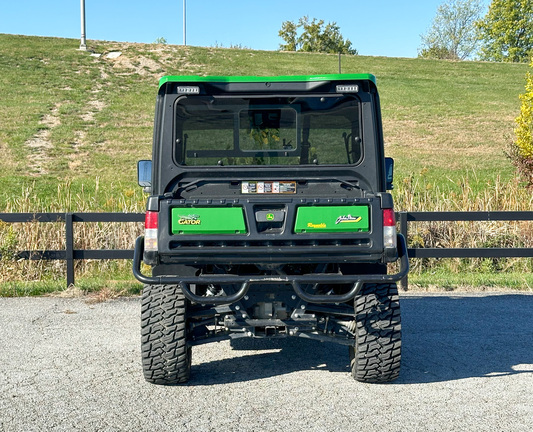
point(521, 152)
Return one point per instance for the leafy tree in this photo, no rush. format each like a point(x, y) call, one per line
point(522, 149)
point(506, 31)
point(289, 33)
point(453, 33)
point(313, 36)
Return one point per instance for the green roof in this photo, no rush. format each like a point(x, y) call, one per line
point(288, 78)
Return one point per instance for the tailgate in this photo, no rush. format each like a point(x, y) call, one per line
point(278, 230)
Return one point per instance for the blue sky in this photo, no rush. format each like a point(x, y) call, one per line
point(390, 28)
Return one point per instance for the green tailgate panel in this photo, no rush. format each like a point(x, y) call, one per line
point(332, 219)
point(208, 220)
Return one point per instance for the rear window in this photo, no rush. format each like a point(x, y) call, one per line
point(267, 130)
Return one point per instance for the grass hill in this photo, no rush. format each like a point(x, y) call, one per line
point(73, 124)
point(80, 122)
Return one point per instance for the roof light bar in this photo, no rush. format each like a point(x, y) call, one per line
point(341, 88)
point(188, 90)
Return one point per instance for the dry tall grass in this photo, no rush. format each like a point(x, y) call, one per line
point(51, 236)
point(412, 194)
point(415, 194)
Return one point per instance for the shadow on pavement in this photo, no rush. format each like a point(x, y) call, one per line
point(445, 338)
point(278, 357)
point(454, 337)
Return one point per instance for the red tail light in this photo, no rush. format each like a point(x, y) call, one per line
point(389, 229)
point(389, 218)
point(151, 220)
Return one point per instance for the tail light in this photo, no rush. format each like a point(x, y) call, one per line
point(389, 229)
point(151, 222)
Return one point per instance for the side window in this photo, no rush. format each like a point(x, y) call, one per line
point(199, 131)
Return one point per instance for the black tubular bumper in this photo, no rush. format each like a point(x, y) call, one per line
point(246, 281)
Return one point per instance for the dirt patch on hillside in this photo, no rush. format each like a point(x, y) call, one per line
point(40, 144)
point(139, 65)
point(93, 106)
point(148, 60)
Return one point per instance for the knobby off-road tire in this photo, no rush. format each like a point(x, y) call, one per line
point(375, 356)
point(166, 356)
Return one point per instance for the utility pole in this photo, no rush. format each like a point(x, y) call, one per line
point(83, 42)
point(184, 22)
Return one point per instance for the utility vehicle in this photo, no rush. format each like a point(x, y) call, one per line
point(268, 216)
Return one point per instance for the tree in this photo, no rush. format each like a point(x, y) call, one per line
point(453, 33)
point(289, 33)
point(506, 31)
point(313, 36)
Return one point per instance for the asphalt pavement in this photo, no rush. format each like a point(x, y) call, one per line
point(70, 365)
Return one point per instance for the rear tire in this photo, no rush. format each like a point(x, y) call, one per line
point(376, 354)
point(166, 356)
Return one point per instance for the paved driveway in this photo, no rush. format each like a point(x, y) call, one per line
point(467, 366)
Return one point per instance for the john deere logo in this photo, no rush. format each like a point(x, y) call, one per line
point(270, 216)
point(189, 220)
point(348, 219)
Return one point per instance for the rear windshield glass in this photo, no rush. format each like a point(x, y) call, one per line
point(267, 130)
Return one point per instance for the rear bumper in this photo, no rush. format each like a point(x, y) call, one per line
point(246, 281)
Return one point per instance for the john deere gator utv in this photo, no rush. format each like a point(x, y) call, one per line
point(268, 216)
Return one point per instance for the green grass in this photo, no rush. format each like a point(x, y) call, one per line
point(92, 287)
point(73, 126)
point(446, 117)
point(443, 280)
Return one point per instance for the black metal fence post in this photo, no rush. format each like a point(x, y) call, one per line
point(404, 282)
point(69, 248)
